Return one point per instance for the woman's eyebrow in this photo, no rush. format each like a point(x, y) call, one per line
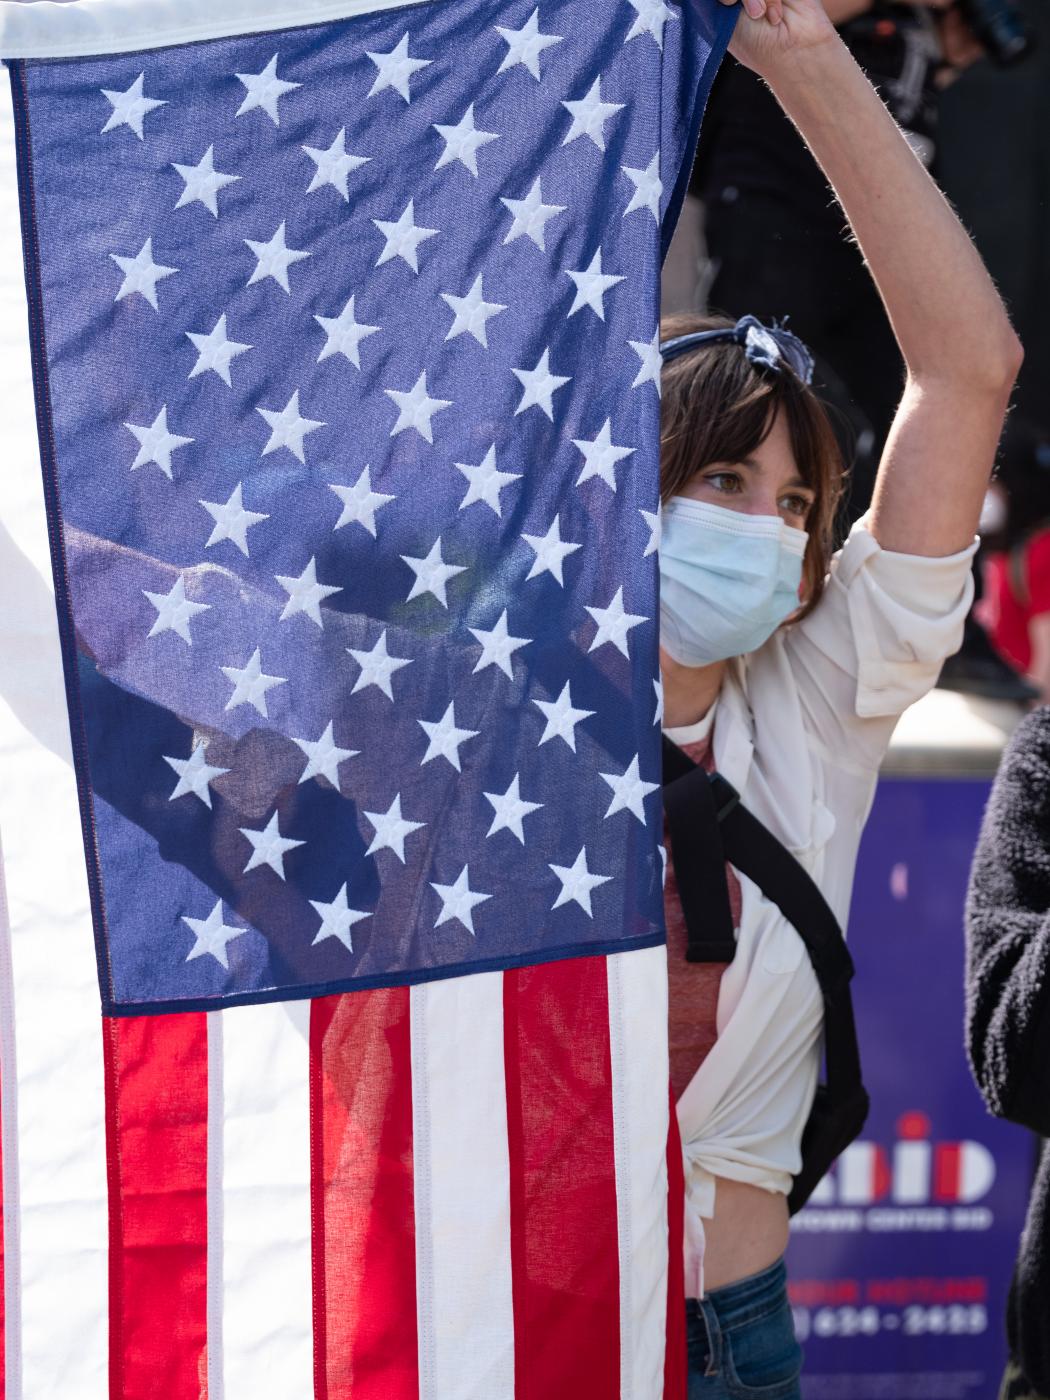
point(793, 484)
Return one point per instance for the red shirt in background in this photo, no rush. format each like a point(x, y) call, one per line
point(1008, 615)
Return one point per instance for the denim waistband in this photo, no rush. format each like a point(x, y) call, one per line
point(749, 1298)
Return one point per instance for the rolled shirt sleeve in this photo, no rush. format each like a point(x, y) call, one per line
point(886, 624)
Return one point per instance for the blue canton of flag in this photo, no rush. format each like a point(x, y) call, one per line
point(349, 379)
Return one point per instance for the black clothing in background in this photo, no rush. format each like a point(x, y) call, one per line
point(778, 240)
point(1008, 1004)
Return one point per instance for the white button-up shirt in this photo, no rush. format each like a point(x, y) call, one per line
point(802, 727)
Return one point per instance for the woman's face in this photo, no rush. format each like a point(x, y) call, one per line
point(766, 483)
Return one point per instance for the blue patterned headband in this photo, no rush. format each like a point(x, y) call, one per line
point(772, 347)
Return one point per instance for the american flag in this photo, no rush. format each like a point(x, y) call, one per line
point(331, 763)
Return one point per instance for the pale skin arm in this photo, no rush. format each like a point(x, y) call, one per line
point(959, 349)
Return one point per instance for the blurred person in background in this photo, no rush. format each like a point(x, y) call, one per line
point(1016, 606)
point(788, 665)
point(1008, 1015)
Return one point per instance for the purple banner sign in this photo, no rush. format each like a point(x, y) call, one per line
point(901, 1263)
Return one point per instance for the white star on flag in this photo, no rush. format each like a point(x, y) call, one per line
point(416, 409)
point(337, 919)
point(651, 17)
point(485, 482)
point(215, 351)
point(497, 646)
point(250, 684)
point(510, 810)
point(530, 216)
point(232, 521)
point(141, 274)
point(333, 165)
point(654, 520)
point(458, 901)
point(273, 259)
point(648, 351)
point(629, 791)
point(212, 936)
point(614, 624)
point(377, 667)
point(391, 829)
point(269, 847)
point(600, 456)
point(562, 718)
point(130, 107)
point(344, 334)
point(463, 141)
point(264, 90)
point(323, 756)
point(648, 188)
point(174, 610)
point(444, 739)
point(577, 882)
point(203, 182)
point(472, 313)
point(360, 503)
point(288, 428)
point(403, 237)
point(591, 286)
point(432, 574)
point(525, 45)
point(540, 386)
point(396, 69)
point(305, 594)
point(550, 550)
point(156, 443)
point(195, 774)
point(589, 115)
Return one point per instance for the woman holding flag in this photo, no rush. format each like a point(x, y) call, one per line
point(786, 666)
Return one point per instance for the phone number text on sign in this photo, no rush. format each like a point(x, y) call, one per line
point(957, 1320)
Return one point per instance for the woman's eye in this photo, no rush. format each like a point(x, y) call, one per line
point(796, 505)
point(724, 481)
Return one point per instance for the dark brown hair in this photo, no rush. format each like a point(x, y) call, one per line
point(719, 407)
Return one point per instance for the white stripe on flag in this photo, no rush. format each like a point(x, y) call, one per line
point(641, 1107)
point(118, 26)
point(462, 1190)
point(51, 1006)
point(267, 1340)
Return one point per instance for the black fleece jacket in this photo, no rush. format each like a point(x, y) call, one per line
point(1008, 1003)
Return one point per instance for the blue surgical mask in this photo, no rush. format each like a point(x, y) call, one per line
point(728, 580)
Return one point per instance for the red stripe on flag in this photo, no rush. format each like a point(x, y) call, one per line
point(564, 1248)
point(362, 1192)
point(157, 1158)
point(675, 1377)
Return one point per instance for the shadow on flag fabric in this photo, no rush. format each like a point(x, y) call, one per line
point(329, 724)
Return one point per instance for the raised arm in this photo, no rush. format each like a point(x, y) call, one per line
point(961, 353)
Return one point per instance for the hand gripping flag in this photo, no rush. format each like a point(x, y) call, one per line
point(328, 728)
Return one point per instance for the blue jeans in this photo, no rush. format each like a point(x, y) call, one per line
point(741, 1341)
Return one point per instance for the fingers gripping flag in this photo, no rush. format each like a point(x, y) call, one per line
point(327, 655)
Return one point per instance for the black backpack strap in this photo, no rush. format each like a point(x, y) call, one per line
point(709, 826)
point(757, 853)
point(699, 858)
point(840, 1107)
